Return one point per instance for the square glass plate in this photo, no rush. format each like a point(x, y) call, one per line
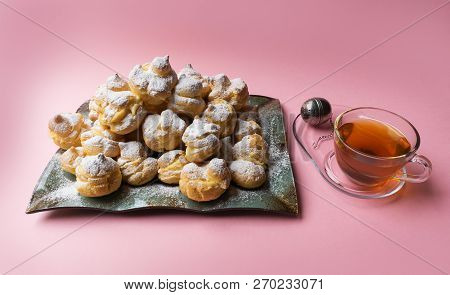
point(55, 188)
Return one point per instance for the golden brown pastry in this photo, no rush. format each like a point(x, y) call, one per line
point(190, 92)
point(206, 182)
point(154, 82)
point(247, 174)
point(95, 144)
point(71, 158)
point(188, 71)
point(222, 113)
point(163, 132)
point(234, 91)
point(202, 140)
point(97, 176)
point(244, 128)
point(170, 165)
point(65, 129)
point(251, 148)
point(123, 112)
point(104, 131)
point(136, 167)
point(98, 102)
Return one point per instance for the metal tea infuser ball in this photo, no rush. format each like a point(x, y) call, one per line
point(316, 111)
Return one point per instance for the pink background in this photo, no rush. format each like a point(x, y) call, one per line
point(279, 49)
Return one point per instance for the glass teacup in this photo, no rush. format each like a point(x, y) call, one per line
point(373, 146)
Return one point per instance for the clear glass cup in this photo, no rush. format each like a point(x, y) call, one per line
point(370, 170)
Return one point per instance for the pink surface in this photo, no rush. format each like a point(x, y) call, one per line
point(279, 49)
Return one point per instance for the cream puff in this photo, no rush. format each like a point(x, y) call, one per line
point(247, 174)
point(206, 182)
point(188, 98)
point(244, 128)
point(123, 112)
point(105, 131)
point(189, 71)
point(251, 148)
point(222, 113)
point(97, 176)
point(170, 165)
point(234, 91)
point(136, 167)
point(153, 82)
point(202, 140)
point(98, 102)
point(94, 144)
point(65, 129)
point(163, 132)
point(71, 158)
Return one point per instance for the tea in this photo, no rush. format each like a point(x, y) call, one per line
point(373, 146)
point(361, 146)
point(374, 138)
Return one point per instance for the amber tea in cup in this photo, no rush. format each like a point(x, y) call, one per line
point(373, 145)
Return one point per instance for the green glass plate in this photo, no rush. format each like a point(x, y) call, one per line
point(55, 188)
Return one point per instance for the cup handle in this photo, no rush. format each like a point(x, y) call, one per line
point(422, 177)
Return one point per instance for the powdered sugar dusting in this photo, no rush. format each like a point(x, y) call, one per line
point(132, 150)
point(192, 83)
point(221, 80)
point(200, 129)
point(219, 111)
point(238, 85)
point(192, 171)
point(234, 91)
point(64, 122)
point(244, 128)
point(188, 70)
point(166, 118)
point(65, 193)
point(139, 77)
point(115, 82)
point(246, 168)
point(108, 146)
point(98, 165)
point(161, 63)
point(158, 84)
point(165, 128)
point(189, 86)
point(169, 157)
point(273, 195)
point(156, 78)
point(180, 101)
point(118, 98)
point(218, 166)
